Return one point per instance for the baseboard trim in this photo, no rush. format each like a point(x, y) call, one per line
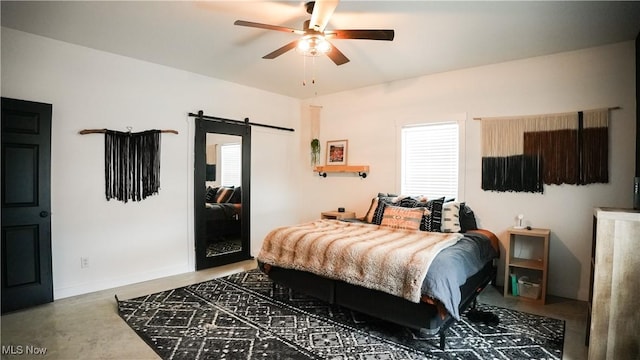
point(89, 287)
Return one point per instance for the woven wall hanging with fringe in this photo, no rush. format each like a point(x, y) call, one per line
point(523, 153)
point(131, 163)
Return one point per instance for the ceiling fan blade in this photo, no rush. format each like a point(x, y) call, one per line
point(361, 34)
point(322, 11)
point(282, 50)
point(337, 56)
point(267, 26)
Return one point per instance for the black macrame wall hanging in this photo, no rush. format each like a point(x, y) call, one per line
point(131, 163)
point(524, 153)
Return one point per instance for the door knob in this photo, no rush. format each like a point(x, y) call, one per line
point(44, 214)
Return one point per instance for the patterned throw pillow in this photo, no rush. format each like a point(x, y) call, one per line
point(433, 222)
point(224, 194)
point(450, 217)
point(236, 196)
point(383, 201)
point(467, 218)
point(426, 224)
point(402, 218)
point(386, 195)
point(210, 195)
point(372, 209)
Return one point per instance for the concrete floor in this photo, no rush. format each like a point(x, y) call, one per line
point(88, 326)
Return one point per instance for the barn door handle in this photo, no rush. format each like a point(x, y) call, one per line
point(44, 214)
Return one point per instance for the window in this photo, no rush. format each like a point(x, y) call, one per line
point(429, 163)
point(231, 161)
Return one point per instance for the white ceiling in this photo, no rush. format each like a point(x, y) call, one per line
point(430, 37)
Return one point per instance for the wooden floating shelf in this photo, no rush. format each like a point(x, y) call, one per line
point(362, 170)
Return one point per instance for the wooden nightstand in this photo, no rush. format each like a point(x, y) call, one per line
point(336, 215)
point(530, 258)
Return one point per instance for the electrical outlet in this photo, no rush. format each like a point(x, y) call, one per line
point(84, 262)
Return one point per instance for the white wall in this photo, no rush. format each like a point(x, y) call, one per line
point(133, 242)
point(580, 80)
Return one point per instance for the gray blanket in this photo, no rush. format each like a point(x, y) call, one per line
point(451, 268)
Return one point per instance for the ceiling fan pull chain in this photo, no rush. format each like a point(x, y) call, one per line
point(313, 70)
point(304, 71)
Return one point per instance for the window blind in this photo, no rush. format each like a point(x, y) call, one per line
point(231, 161)
point(430, 160)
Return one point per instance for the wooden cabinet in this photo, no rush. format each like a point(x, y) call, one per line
point(337, 215)
point(527, 254)
point(613, 323)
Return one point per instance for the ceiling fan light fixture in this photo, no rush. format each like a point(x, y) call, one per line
point(314, 36)
point(313, 45)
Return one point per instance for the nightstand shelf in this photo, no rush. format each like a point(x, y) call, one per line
point(337, 215)
point(527, 263)
point(535, 265)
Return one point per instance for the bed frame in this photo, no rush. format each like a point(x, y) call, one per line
point(419, 316)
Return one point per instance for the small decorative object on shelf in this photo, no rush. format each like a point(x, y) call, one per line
point(519, 224)
point(362, 170)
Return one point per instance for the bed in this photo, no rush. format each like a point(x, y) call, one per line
point(441, 272)
point(223, 211)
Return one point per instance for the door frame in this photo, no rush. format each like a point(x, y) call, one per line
point(27, 123)
point(202, 127)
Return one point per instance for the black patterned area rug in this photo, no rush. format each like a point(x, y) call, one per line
point(224, 247)
point(242, 317)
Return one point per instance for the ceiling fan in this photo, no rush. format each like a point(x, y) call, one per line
point(314, 36)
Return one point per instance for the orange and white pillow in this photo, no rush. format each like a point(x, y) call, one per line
point(403, 218)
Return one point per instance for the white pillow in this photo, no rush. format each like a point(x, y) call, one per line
point(450, 217)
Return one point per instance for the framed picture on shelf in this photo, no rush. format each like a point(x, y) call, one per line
point(337, 152)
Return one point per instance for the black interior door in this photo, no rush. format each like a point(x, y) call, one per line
point(26, 204)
